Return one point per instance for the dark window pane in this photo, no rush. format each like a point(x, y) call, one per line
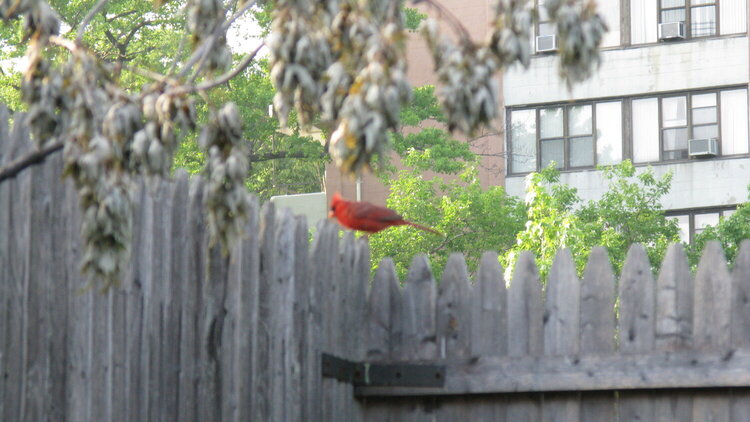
point(581, 152)
point(704, 115)
point(703, 132)
point(553, 150)
point(703, 21)
point(675, 139)
point(673, 15)
point(551, 120)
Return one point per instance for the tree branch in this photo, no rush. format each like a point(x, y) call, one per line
point(12, 169)
point(221, 79)
point(257, 158)
point(120, 15)
point(89, 17)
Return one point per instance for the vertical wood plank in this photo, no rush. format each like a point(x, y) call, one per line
point(740, 329)
point(712, 304)
point(674, 314)
point(636, 326)
point(191, 294)
point(5, 280)
point(525, 330)
point(57, 285)
point(489, 329)
point(453, 319)
point(282, 356)
point(383, 317)
point(265, 383)
point(419, 328)
point(342, 281)
point(357, 319)
point(598, 328)
point(79, 323)
point(17, 268)
point(247, 316)
point(325, 266)
point(562, 331)
point(175, 279)
point(38, 320)
point(301, 341)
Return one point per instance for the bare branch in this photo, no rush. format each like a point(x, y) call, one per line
point(12, 169)
point(221, 79)
point(89, 16)
point(280, 155)
point(120, 15)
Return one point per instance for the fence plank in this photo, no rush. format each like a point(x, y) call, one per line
point(453, 318)
point(674, 314)
point(247, 316)
point(383, 332)
point(302, 342)
point(740, 330)
point(38, 320)
point(18, 236)
point(419, 331)
point(325, 256)
point(525, 330)
point(712, 325)
point(192, 290)
point(357, 317)
point(489, 322)
point(282, 357)
point(5, 280)
point(561, 331)
point(636, 325)
point(598, 328)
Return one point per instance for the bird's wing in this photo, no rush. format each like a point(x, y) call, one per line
point(366, 210)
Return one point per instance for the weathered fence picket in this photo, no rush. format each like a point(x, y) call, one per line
point(194, 334)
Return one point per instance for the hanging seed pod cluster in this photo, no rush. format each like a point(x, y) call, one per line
point(226, 195)
point(345, 59)
point(205, 22)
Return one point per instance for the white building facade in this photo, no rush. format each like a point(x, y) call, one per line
point(671, 93)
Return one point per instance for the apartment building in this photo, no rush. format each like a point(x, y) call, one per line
point(671, 93)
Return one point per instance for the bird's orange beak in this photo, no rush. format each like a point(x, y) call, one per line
point(330, 214)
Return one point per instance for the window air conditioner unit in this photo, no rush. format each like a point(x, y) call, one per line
point(672, 31)
point(546, 43)
point(703, 147)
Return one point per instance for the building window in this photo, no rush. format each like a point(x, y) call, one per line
point(663, 126)
point(585, 135)
point(573, 137)
point(678, 126)
point(699, 15)
point(693, 223)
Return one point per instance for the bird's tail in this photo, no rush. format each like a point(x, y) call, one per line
point(427, 229)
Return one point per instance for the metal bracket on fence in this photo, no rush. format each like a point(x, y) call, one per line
point(362, 374)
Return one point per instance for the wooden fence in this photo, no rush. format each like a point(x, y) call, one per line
point(291, 331)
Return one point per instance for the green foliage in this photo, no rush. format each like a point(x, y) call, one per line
point(413, 18)
point(629, 212)
point(730, 232)
point(552, 223)
point(473, 220)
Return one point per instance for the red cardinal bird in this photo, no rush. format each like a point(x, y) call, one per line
point(367, 217)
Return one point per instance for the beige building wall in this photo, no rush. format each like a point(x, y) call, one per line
point(475, 15)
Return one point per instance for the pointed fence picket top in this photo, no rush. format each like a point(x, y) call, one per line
point(636, 325)
point(597, 332)
point(712, 310)
point(561, 331)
